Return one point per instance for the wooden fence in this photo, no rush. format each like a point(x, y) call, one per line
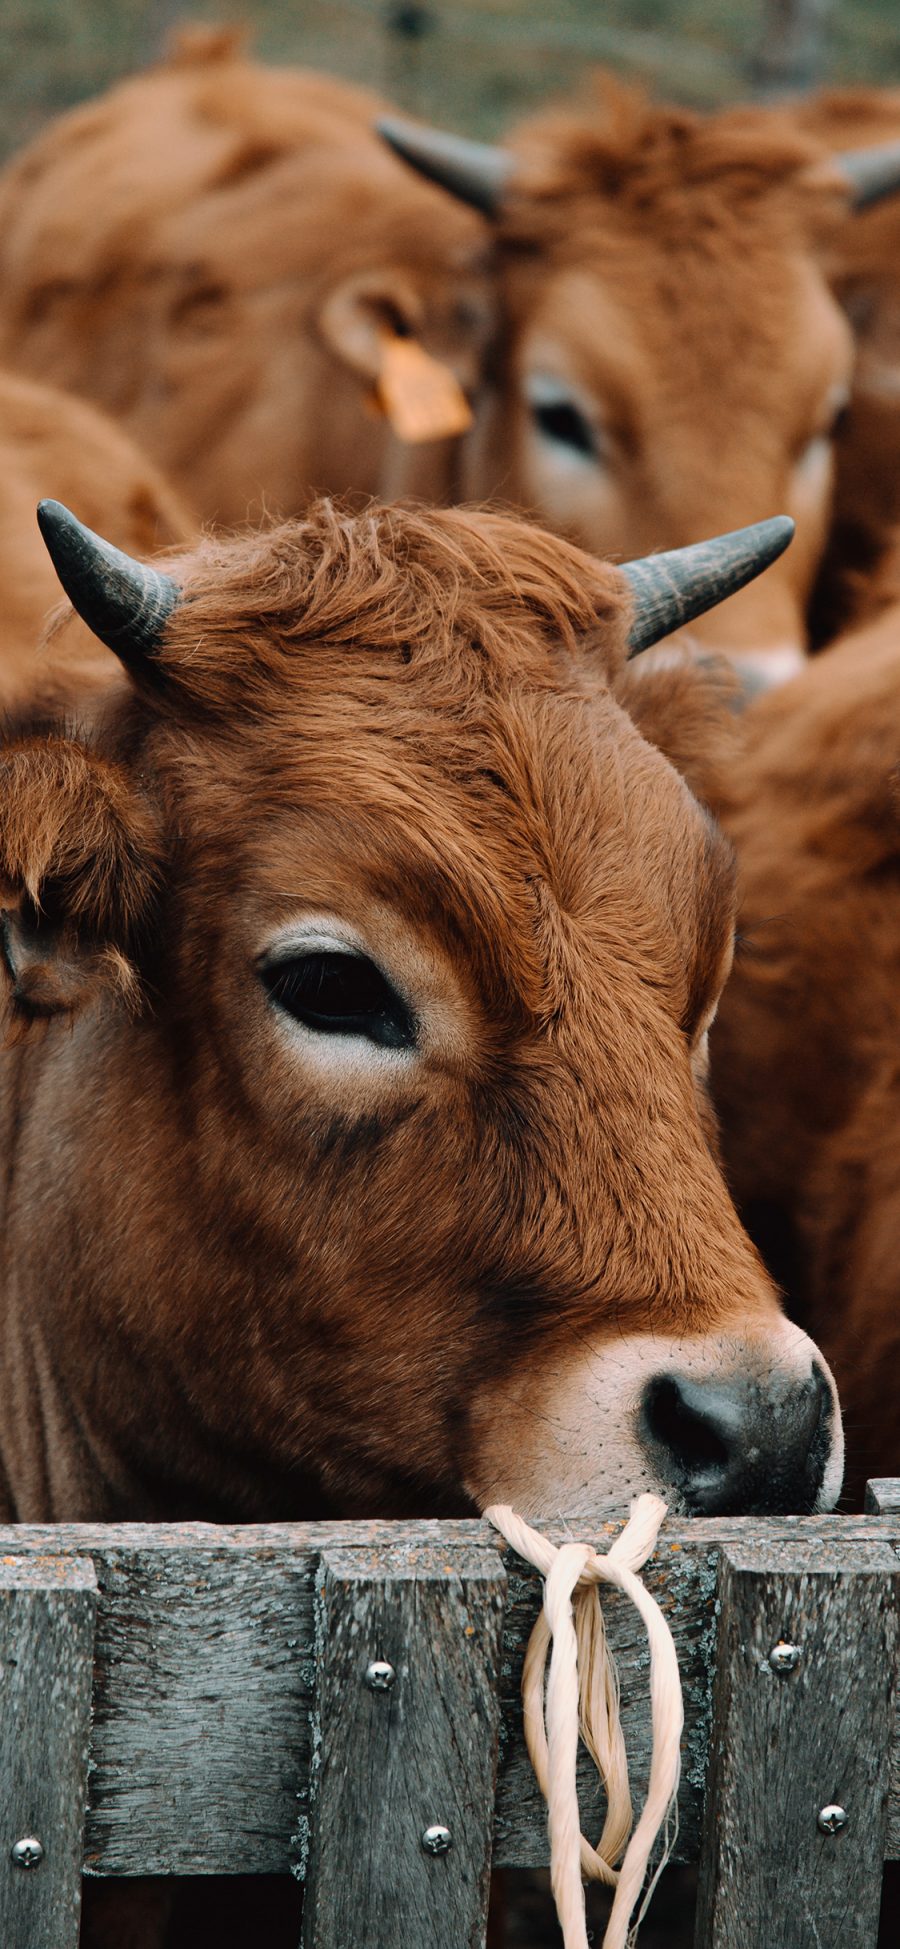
point(341, 1701)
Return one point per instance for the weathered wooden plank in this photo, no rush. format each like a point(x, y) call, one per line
point(797, 1795)
point(47, 1613)
point(399, 1769)
point(205, 1668)
point(883, 1496)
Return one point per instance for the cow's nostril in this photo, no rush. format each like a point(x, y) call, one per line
point(742, 1446)
point(689, 1422)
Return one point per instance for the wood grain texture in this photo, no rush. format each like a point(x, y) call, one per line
point(47, 1612)
point(205, 1663)
point(883, 1496)
point(388, 1765)
point(786, 1745)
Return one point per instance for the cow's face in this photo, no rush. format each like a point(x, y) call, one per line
point(672, 361)
point(444, 934)
point(653, 391)
point(631, 416)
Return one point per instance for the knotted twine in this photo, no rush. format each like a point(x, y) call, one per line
point(582, 1695)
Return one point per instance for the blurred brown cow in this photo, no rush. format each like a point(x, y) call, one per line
point(51, 443)
point(864, 267)
point(673, 357)
point(223, 255)
point(806, 1047)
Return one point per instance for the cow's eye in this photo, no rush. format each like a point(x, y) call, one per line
point(565, 424)
point(338, 993)
point(559, 417)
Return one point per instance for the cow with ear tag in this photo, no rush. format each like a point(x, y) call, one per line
point(671, 357)
point(366, 898)
point(225, 257)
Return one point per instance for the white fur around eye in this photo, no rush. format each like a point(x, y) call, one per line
point(815, 460)
point(544, 394)
point(334, 1051)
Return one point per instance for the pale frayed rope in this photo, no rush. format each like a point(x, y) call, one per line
point(582, 1694)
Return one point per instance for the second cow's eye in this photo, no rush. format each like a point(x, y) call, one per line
point(559, 417)
point(564, 423)
point(341, 994)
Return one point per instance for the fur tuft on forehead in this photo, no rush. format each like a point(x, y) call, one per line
point(654, 160)
point(454, 586)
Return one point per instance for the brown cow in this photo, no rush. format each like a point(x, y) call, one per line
point(673, 360)
point(223, 256)
point(48, 439)
point(373, 949)
point(806, 1068)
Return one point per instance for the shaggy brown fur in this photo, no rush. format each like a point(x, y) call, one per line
point(219, 1297)
point(804, 1052)
point(212, 252)
point(664, 269)
point(53, 444)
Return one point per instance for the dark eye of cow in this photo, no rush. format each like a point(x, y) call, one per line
point(341, 994)
point(561, 420)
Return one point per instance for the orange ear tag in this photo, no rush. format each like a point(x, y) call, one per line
point(422, 399)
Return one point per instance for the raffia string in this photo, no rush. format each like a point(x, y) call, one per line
point(582, 1695)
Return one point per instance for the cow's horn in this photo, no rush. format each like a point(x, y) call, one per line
point(871, 174)
point(473, 171)
point(670, 590)
point(124, 602)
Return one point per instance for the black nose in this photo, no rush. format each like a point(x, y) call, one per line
point(740, 1447)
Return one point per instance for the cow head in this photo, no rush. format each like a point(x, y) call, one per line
point(673, 359)
point(403, 1170)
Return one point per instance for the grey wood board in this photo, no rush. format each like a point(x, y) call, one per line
point(205, 1675)
point(388, 1765)
point(883, 1496)
point(47, 1612)
point(787, 1745)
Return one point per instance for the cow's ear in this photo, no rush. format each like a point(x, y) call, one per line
point(689, 706)
point(80, 863)
point(363, 314)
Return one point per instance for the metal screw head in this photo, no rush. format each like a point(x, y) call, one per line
point(437, 1839)
point(784, 1657)
point(380, 1675)
point(832, 1819)
point(28, 1853)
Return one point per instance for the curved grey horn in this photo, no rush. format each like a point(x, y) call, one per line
point(473, 171)
point(670, 590)
point(124, 602)
point(871, 173)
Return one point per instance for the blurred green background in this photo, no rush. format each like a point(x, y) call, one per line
point(472, 64)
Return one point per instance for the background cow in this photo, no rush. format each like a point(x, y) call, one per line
point(864, 268)
point(673, 359)
point(805, 1050)
point(223, 255)
point(49, 440)
point(370, 894)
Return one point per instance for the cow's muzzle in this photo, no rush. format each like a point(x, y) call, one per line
point(735, 1447)
point(745, 1422)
